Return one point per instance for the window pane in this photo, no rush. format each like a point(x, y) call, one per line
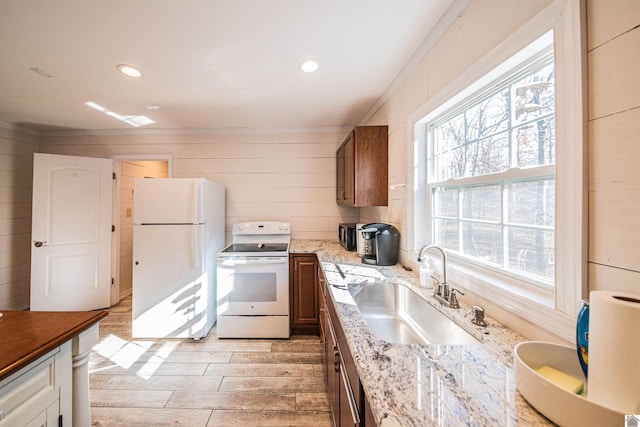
point(449, 135)
point(483, 241)
point(457, 163)
point(535, 95)
point(482, 203)
point(488, 155)
point(446, 138)
point(445, 202)
point(531, 203)
point(446, 233)
point(500, 211)
point(489, 116)
point(531, 252)
point(536, 143)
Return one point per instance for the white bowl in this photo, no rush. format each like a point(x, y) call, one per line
point(559, 405)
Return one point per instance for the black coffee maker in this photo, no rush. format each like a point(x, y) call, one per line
point(381, 243)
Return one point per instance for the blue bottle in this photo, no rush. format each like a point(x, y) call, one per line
point(582, 336)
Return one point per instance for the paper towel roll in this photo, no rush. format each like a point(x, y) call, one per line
point(614, 350)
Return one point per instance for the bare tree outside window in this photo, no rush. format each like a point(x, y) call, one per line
point(493, 195)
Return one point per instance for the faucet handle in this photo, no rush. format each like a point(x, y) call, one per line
point(478, 313)
point(453, 300)
point(437, 285)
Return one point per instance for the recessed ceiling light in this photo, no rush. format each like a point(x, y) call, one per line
point(129, 70)
point(309, 65)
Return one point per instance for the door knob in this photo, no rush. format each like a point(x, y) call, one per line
point(38, 243)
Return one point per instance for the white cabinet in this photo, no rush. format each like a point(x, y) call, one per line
point(40, 393)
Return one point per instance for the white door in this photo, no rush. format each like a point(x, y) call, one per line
point(71, 233)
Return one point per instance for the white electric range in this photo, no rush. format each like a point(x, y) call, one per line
point(253, 281)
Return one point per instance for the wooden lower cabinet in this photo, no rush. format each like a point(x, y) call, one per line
point(368, 415)
point(303, 291)
point(346, 396)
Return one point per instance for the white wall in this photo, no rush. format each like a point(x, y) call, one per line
point(268, 176)
point(16, 170)
point(613, 33)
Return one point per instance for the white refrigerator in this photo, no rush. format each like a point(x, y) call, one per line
point(178, 228)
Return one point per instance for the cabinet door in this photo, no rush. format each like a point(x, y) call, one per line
point(322, 314)
point(304, 294)
point(345, 171)
point(348, 409)
point(362, 167)
point(49, 417)
point(332, 367)
point(31, 397)
point(349, 170)
point(340, 175)
point(369, 421)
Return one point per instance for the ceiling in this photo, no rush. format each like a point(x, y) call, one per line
point(207, 64)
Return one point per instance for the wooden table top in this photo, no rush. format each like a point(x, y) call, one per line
point(27, 335)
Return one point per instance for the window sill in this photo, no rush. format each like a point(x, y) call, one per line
point(534, 305)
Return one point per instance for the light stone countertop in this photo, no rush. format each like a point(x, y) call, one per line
point(422, 385)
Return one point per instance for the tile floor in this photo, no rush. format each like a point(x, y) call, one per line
point(210, 382)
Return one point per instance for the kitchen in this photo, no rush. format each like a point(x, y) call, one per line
point(289, 174)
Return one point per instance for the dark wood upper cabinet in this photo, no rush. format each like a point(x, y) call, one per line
point(362, 167)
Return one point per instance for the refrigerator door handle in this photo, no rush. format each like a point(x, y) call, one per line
point(198, 202)
point(195, 247)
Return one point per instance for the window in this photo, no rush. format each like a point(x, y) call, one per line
point(499, 173)
point(491, 175)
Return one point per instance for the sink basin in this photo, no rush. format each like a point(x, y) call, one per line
point(397, 314)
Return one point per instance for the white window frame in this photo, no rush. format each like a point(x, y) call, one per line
point(554, 310)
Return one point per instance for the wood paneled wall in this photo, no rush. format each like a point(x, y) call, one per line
point(268, 176)
point(613, 41)
point(16, 175)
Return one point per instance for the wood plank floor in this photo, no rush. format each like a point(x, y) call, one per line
point(210, 382)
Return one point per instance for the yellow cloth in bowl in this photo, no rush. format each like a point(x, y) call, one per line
point(561, 379)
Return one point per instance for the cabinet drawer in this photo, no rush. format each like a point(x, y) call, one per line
point(27, 393)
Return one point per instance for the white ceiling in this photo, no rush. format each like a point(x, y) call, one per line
point(208, 64)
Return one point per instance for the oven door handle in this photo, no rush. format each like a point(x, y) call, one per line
point(261, 261)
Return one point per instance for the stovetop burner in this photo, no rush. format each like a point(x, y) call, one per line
point(256, 247)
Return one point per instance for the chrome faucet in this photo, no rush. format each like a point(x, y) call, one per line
point(441, 292)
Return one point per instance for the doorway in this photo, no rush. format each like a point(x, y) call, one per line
point(127, 168)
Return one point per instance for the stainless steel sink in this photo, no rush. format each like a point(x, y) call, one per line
point(397, 314)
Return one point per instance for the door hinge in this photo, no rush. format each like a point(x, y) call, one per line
point(114, 175)
point(113, 281)
point(113, 228)
point(60, 423)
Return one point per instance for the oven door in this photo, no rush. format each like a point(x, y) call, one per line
point(253, 286)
